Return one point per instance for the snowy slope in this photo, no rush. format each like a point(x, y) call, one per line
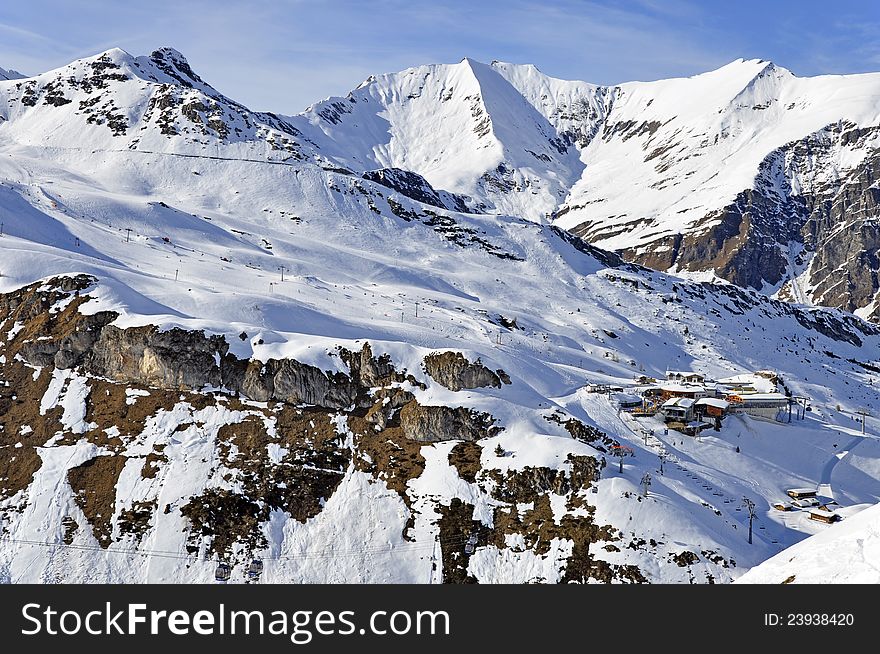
point(685, 147)
point(186, 225)
point(746, 173)
point(845, 553)
point(716, 175)
point(466, 128)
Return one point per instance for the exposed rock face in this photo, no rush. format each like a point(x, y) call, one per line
point(805, 212)
point(179, 358)
point(584, 433)
point(455, 372)
point(388, 402)
point(288, 456)
point(288, 381)
point(416, 187)
point(369, 371)
point(526, 485)
point(173, 358)
point(741, 243)
point(430, 424)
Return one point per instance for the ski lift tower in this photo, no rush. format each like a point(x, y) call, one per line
point(621, 451)
point(863, 412)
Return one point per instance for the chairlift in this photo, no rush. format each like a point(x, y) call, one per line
point(223, 572)
point(255, 569)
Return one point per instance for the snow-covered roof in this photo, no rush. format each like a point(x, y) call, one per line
point(682, 388)
point(622, 398)
point(680, 402)
point(763, 397)
point(801, 491)
point(759, 383)
point(713, 401)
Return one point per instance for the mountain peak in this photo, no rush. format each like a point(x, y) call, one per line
point(175, 65)
point(167, 52)
point(754, 67)
point(10, 74)
point(506, 65)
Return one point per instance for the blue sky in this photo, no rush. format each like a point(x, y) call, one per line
point(284, 54)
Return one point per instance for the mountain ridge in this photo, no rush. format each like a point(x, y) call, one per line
point(671, 173)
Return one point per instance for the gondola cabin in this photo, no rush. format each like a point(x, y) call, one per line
point(223, 572)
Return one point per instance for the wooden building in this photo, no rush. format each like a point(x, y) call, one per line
point(678, 409)
point(824, 515)
point(712, 406)
point(801, 493)
point(673, 389)
point(685, 376)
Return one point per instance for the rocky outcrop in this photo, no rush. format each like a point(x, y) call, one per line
point(583, 433)
point(191, 360)
point(740, 242)
point(416, 187)
point(431, 424)
point(369, 371)
point(455, 372)
point(388, 401)
point(804, 212)
point(523, 486)
point(843, 234)
point(178, 358)
point(288, 380)
point(173, 358)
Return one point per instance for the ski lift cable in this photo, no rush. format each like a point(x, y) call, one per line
point(66, 463)
point(166, 554)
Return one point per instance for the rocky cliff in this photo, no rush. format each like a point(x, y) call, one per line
point(808, 228)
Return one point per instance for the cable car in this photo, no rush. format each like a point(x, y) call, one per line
point(223, 572)
point(255, 569)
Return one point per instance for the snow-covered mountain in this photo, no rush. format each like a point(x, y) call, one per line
point(847, 553)
point(9, 74)
point(227, 334)
point(115, 101)
point(764, 178)
point(747, 173)
point(498, 133)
